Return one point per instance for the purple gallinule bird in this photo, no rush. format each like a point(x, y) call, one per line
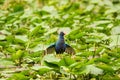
point(60, 46)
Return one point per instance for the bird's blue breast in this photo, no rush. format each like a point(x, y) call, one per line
point(60, 47)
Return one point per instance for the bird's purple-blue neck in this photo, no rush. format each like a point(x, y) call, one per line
point(61, 36)
point(60, 39)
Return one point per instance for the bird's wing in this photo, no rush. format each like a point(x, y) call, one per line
point(50, 49)
point(69, 49)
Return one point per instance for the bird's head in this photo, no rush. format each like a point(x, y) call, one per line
point(62, 33)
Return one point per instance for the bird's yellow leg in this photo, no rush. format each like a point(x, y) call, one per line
point(59, 55)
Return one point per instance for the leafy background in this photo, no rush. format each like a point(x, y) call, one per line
point(92, 28)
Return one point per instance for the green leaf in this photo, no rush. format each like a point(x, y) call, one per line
point(19, 41)
point(2, 37)
point(102, 59)
point(22, 37)
point(49, 9)
point(21, 31)
point(78, 68)
point(66, 61)
point(102, 22)
point(41, 69)
point(65, 70)
point(38, 47)
point(115, 40)
point(6, 63)
point(89, 8)
point(51, 31)
point(93, 70)
point(115, 30)
point(17, 56)
point(50, 60)
point(10, 39)
point(18, 76)
point(105, 67)
point(37, 31)
point(5, 32)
